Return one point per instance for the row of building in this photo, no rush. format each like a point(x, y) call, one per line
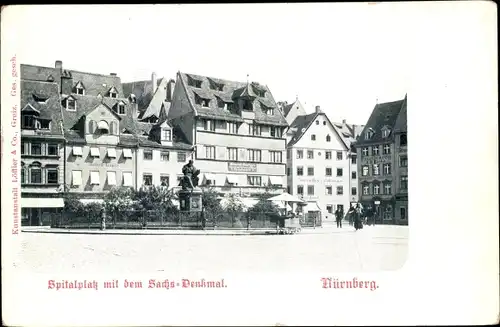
point(85, 133)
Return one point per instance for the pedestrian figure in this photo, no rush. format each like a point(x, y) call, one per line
point(358, 223)
point(351, 212)
point(338, 217)
point(103, 219)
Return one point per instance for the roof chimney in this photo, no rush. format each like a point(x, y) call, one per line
point(343, 121)
point(112, 74)
point(58, 64)
point(153, 80)
point(318, 109)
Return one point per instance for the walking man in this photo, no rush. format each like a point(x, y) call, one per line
point(338, 218)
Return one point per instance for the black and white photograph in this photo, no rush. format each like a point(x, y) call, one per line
point(236, 164)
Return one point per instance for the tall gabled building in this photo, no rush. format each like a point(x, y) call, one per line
point(319, 164)
point(379, 150)
point(401, 166)
point(42, 151)
point(349, 134)
point(237, 129)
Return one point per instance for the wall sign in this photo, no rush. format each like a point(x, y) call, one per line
point(107, 165)
point(378, 159)
point(242, 167)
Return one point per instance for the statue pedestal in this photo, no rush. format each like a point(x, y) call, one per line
point(191, 201)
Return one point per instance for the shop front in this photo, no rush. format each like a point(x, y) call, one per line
point(40, 211)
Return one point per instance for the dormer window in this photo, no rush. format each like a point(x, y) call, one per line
point(216, 86)
point(369, 134)
point(113, 93)
point(267, 110)
point(247, 104)
point(166, 135)
point(28, 122)
point(194, 82)
point(44, 123)
point(386, 132)
point(120, 108)
point(70, 104)
point(201, 101)
point(79, 89)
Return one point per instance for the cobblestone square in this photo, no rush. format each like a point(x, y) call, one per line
point(325, 249)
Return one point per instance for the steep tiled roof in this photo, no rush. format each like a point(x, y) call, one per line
point(143, 91)
point(348, 132)
point(230, 91)
point(287, 108)
point(402, 121)
point(384, 114)
point(96, 83)
point(301, 124)
point(150, 101)
point(39, 73)
point(31, 91)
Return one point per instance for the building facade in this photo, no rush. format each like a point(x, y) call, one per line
point(237, 131)
point(84, 128)
point(401, 163)
point(318, 163)
point(378, 153)
point(42, 151)
point(349, 134)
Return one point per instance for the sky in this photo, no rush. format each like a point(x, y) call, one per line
point(343, 57)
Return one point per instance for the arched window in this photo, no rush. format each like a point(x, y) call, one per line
point(113, 129)
point(103, 127)
point(91, 129)
point(328, 138)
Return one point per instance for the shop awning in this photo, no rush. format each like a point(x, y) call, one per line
point(275, 180)
point(312, 206)
point(94, 152)
point(210, 177)
point(42, 202)
point(94, 178)
point(233, 179)
point(127, 153)
point(112, 153)
point(103, 125)
point(243, 180)
point(111, 178)
point(127, 179)
point(77, 151)
point(77, 177)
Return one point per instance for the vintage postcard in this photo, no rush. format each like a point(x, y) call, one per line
point(250, 164)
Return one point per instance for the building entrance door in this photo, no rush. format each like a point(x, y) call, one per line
point(35, 216)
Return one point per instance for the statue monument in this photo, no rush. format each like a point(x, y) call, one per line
point(190, 196)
